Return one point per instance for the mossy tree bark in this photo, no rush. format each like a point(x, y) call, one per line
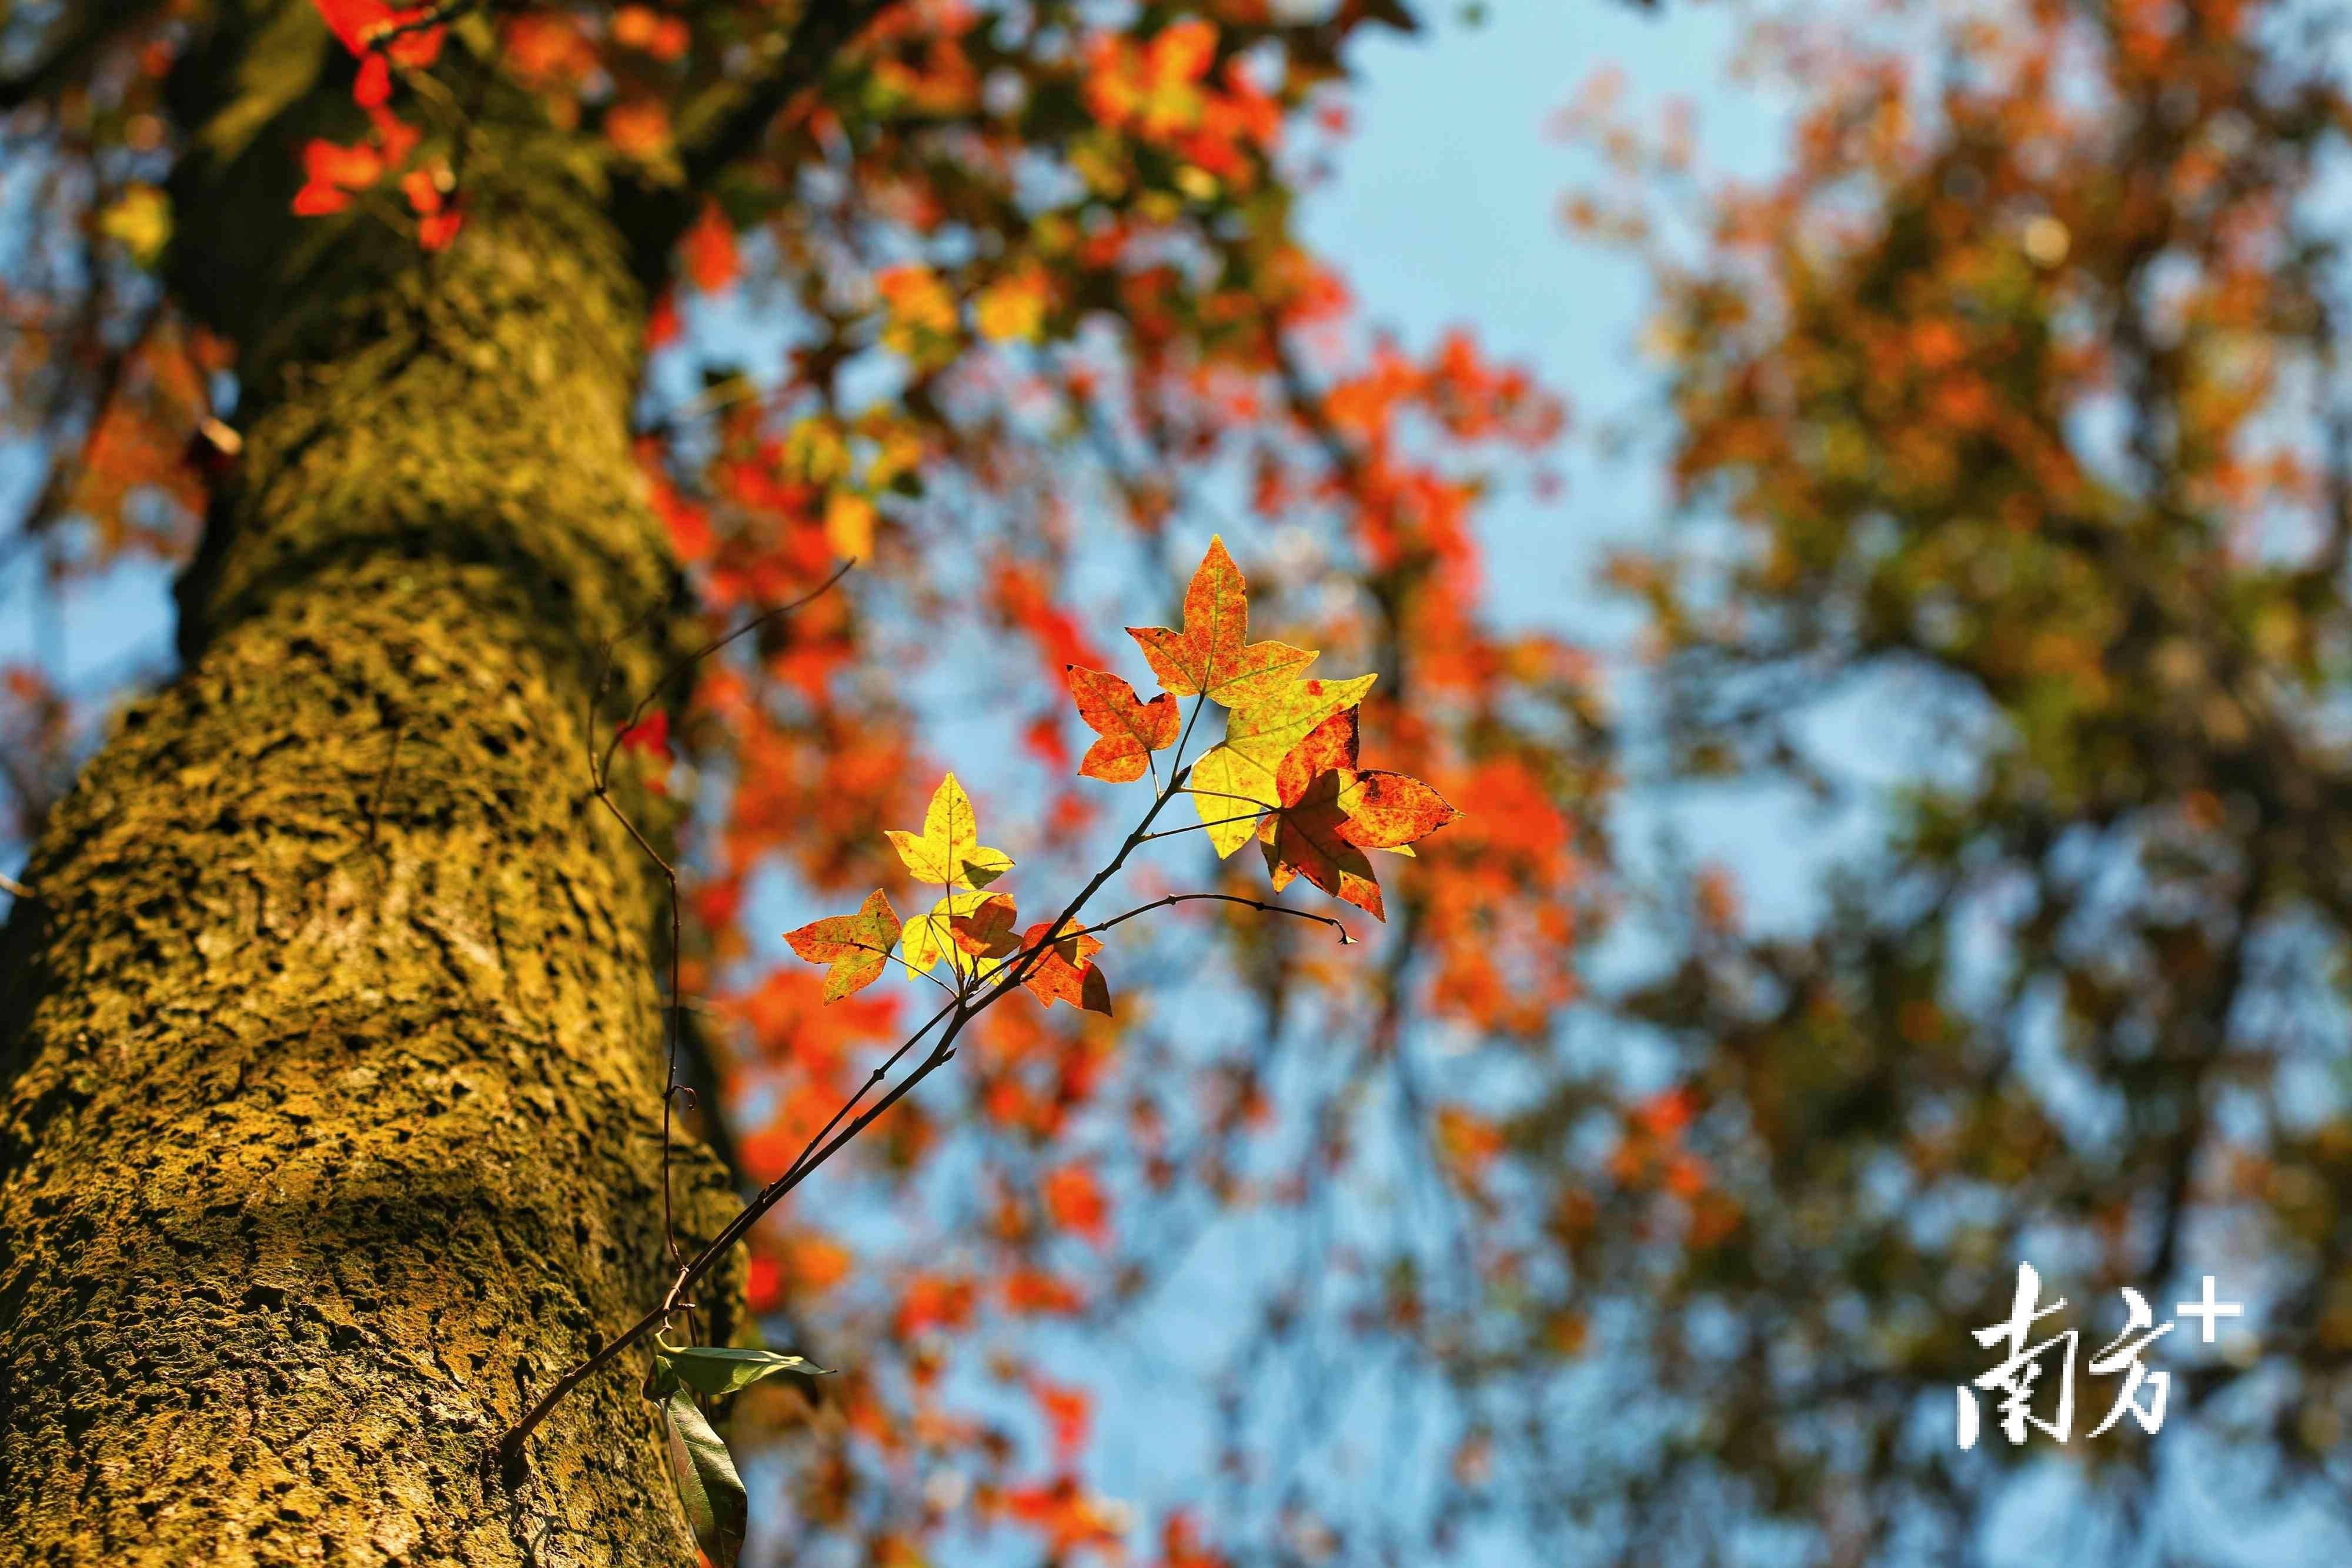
point(330, 1038)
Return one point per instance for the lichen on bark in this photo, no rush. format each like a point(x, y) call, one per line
point(332, 1041)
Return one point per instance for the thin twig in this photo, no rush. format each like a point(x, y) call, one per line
point(600, 766)
point(1199, 827)
point(690, 660)
point(1346, 940)
point(440, 16)
point(957, 1015)
point(13, 888)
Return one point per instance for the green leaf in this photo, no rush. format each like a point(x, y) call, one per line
point(707, 1482)
point(720, 1369)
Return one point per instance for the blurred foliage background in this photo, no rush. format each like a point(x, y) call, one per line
point(1606, 1211)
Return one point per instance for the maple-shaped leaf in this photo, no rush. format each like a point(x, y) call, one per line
point(1065, 971)
point(1306, 835)
point(1386, 810)
point(986, 932)
point(932, 935)
point(1212, 654)
point(1235, 778)
point(947, 853)
point(1329, 813)
point(1129, 728)
point(856, 945)
point(1303, 838)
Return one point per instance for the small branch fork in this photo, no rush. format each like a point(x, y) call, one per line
point(974, 995)
point(600, 775)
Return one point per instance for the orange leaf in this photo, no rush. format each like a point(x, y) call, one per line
point(856, 945)
point(986, 932)
point(1075, 1198)
point(1212, 654)
point(1329, 813)
point(1388, 810)
point(1305, 835)
point(1130, 728)
point(1066, 972)
point(711, 256)
point(1305, 838)
point(436, 232)
point(638, 128)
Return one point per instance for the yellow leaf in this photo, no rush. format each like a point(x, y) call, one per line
point(849, 525)
point(1013, 307)
point(1235, 777)
point(931, 936)
point(856, 946)
point(947, 853)
point(141, 219)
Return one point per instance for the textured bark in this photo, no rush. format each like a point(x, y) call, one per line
point(331, 1039)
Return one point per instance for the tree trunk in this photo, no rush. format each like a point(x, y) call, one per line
point(330, 1039)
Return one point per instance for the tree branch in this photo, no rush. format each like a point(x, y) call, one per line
point(818, 34)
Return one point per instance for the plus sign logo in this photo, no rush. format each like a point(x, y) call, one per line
point(2209, 1308)
point(2042, 1371)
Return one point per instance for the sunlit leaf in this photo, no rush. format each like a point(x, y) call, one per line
point(1237, 777)
point(717, 1369)
point(1065, 971)
point(1131, 729)
point(856, 945)
point(947, 853)
point(1213, 654)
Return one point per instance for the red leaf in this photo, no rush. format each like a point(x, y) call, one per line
point(649, 734)
point(1130, 728)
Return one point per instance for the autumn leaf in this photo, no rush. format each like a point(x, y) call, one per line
point(934, 934)
point(710, 252)
point(947, 853)
point(856, 945)
point(1329, 813)
point(1212, 655)
point(986, 931)
point(648, 736)
point(1065, 971)
point(1391, 811)
point(1075, 1198)
point(1305, 838)
point(1235, 778)
point(1129, 728)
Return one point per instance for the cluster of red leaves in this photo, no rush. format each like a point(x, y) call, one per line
point(333, 173)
